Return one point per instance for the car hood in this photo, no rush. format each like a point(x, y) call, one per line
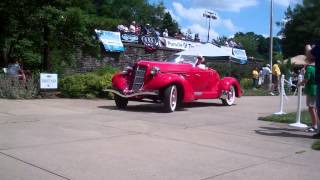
point(167, 67)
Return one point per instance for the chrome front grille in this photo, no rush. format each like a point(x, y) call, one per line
point(138, 78)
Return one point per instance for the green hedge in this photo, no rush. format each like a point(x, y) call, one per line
point(87, 85)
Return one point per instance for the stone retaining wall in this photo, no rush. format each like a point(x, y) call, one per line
point(132, 53)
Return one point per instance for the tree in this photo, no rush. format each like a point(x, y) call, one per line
point(170, 24)
point(302, 27)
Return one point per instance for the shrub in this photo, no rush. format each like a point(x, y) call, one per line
point(246, 83)
point(13, 88)
point(88, 85)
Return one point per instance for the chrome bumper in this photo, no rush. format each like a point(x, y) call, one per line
point(150, 93)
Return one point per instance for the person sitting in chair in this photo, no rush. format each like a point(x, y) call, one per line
point(200, 62)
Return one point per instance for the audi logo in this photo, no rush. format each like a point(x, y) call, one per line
point(149, 40)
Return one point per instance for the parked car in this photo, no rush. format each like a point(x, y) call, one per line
point(173, 82)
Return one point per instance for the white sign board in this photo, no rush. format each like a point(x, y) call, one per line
point(179, 44)
point(48, 81)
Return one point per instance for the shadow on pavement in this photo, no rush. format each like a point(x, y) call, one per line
point(157, 108)
point(282, 132)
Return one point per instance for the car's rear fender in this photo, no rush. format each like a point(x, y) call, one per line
point(161, 81)
point(226, 83)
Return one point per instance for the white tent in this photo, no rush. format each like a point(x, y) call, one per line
point(298, 60)
point(205, 50)
point(212, 52)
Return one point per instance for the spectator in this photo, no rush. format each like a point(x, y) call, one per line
point(311, 93)
point(14, 70)
point(132, 27)
point(313, 52)
point(255, 77)
point(261, 77)
point(122, 28)
point(147, 29)
point(276, 75)
point(196, 37)
point(266, 71)
point(165, 33)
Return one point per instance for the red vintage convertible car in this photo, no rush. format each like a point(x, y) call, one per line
point(173, 82)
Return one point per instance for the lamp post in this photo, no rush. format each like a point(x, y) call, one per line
point(271, 43)
point(210, 15)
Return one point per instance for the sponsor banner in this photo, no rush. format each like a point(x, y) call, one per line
point(129, 37)
point(110, 40)
point(179, 44)
point(48, 81)
point(151, 41)
point(240, 54)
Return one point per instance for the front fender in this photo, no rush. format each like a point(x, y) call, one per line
point(226, 83)
point(160, 81)
point(120, 81)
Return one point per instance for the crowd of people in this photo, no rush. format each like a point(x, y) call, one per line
point(311, 83)
point(147, 29)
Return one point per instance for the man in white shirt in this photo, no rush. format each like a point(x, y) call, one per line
point(132, 27)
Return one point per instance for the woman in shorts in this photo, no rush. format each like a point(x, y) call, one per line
point(311, 93)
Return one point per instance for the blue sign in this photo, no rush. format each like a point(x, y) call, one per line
point(129, 37)
point(240, 54)
point(110, 40)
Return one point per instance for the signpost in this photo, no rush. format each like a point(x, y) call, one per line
point(48, 81)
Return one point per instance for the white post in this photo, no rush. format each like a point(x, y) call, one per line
point(298, 116)
point(281, 96)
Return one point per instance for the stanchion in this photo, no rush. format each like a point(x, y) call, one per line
point(282, 91)
point(298, 116)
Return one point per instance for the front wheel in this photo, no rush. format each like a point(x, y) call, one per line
point(121, 102)
point(230, 97)
point(170, 98)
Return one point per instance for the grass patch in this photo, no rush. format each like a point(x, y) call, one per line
point(288, 118)
point(316, 145)
point(291, 118)
point(255, 92)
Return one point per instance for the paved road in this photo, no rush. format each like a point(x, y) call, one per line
point(91, 140)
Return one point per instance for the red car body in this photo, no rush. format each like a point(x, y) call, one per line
point(172, 83)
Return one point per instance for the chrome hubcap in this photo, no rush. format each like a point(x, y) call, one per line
point(230, 96)
point(173, 97)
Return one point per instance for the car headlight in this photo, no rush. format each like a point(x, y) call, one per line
point(154, 70)
point(126, 70)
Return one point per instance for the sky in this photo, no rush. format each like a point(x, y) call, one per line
point(233, 15)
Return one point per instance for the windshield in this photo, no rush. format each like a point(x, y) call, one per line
point(184, 59)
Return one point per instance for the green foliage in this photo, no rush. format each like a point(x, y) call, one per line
point(257, 45)
point(246, 83)
point(316, 145)
point(88, 85)
point(51, 32)
point(169, 24)
point(302, 27)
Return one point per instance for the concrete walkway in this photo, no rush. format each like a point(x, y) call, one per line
point(92, 140)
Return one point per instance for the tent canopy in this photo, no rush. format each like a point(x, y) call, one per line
point(298, 60)
point(212, 52)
